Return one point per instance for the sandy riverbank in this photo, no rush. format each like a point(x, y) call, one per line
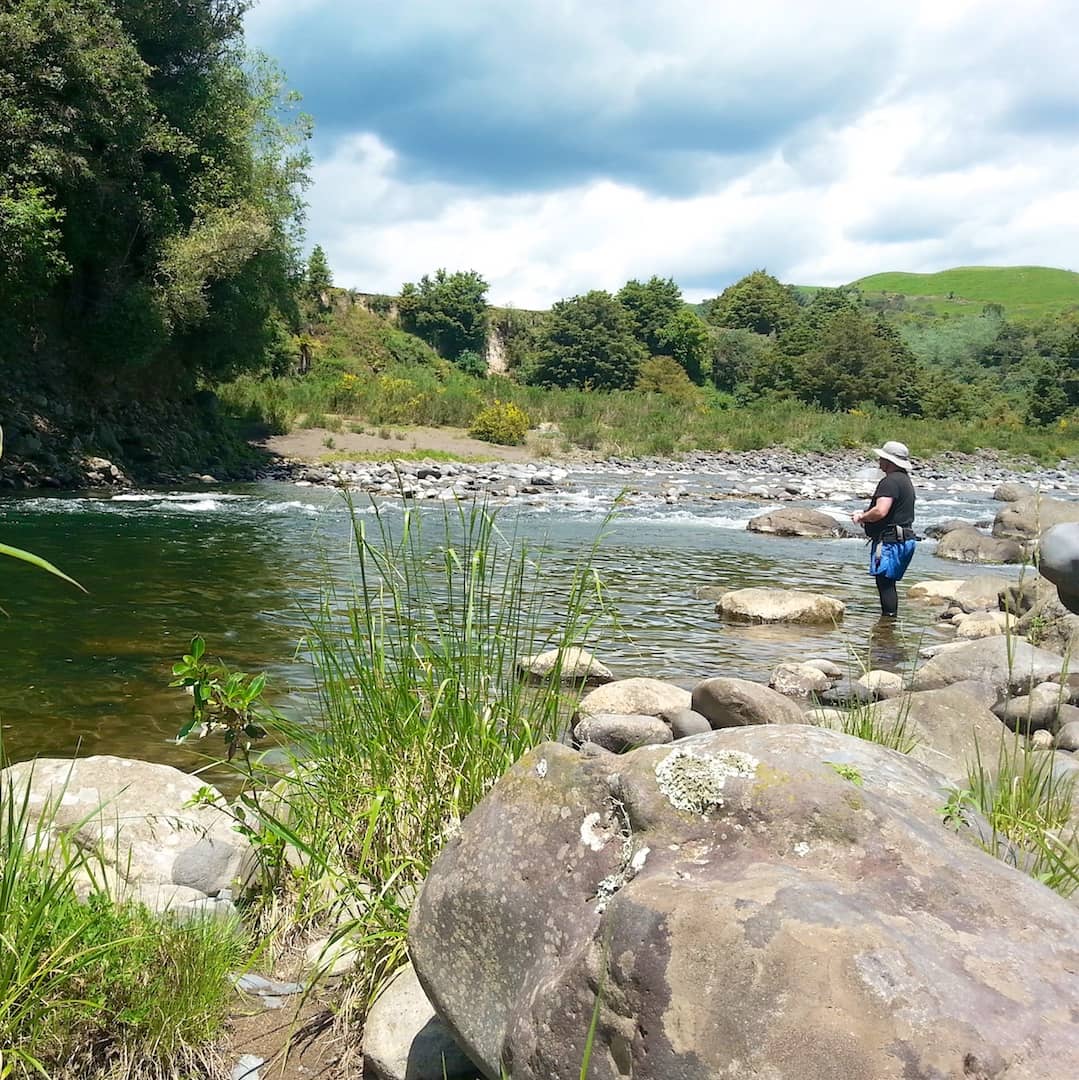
point(317, 444)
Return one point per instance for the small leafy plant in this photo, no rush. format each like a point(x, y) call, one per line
point(229, 700)
point(848, 772)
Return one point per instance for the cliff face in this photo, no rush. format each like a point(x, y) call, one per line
point(60, 433)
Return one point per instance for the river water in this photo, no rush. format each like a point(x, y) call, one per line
point(242, 566)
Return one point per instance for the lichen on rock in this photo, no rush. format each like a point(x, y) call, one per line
point(695, 782)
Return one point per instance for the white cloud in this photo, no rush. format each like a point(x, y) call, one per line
point(948, 144)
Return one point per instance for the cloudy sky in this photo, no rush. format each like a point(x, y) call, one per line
point(558, 146)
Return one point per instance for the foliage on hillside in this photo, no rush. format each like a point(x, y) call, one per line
point(150, 201)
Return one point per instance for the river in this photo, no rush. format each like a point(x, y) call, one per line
point(242, 565)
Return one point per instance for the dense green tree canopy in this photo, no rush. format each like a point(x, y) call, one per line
point(150, 183)
point(684, 336)
point(652, 305)
point(449, 311)
point(758, 302)
point(590, 342)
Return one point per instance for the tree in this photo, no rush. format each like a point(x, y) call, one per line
point(150, 182)
point(319, 276)
point(1048, 399)
point(758, 302)
point(685, 337)
point(804, 334)
point(652, 306)
point(588, 341)
point(852, 364)
point(449, 311)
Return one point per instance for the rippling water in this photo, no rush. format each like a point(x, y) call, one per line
point(242, 565)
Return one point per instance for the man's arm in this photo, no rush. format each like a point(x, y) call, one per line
point(879, 510)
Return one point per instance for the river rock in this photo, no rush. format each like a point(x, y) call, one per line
point(829, 667)
point(882, 684)
point(1036, 711)
point(934, 592)
point(1067, 738)
point(796, 521)
point(846, 693)
point(981, 593)
point(942, 528)
point(644, 697)
point(619, 733)
point(1059, 562)
point(1013, 492)
point(135, 816)
point(948, 728)
point(1004, 663)
point(577, 666)
point(982, 624)
point(686, 722)
point(404, 1039)
point(971, 546)
point(799, 680)
point(736, 702)
point(772, 901)
point(1028, 518)
point(780, 605)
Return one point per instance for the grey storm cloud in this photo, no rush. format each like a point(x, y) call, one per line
point(498, 108)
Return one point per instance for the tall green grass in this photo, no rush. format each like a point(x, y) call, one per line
point(422, 711)
point(92, 988)
point(1028, 803)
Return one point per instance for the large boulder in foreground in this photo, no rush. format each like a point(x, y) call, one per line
point(796, 521)
point(780, 606)
point(1010, 665)
point(136, 818)
point(772, 901)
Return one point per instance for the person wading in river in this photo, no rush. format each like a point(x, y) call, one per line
point(889, 523)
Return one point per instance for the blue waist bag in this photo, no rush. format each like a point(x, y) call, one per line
point(891, 560)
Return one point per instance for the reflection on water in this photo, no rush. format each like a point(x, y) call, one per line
point(891, 645)
point(243, 568)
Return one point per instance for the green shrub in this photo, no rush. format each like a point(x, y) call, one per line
point(664, 375)
point(500, 422)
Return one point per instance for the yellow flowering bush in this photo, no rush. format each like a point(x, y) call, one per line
point(500, 422)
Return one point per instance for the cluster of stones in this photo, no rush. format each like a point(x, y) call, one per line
point(802, 467)
point(431, 480)
point(699, 853)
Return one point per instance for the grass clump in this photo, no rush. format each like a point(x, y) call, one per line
point(865, 722)
point(94, 988)
point(1029, 807)
point(421, 712)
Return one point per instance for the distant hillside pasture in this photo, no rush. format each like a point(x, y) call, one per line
point(1023, 291)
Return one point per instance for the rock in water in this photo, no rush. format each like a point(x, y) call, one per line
point(772, 901)
point(780, 605)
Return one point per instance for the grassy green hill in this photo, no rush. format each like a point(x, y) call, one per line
point(1021, 290)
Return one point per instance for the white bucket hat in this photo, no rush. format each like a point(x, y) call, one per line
point(896, 453)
